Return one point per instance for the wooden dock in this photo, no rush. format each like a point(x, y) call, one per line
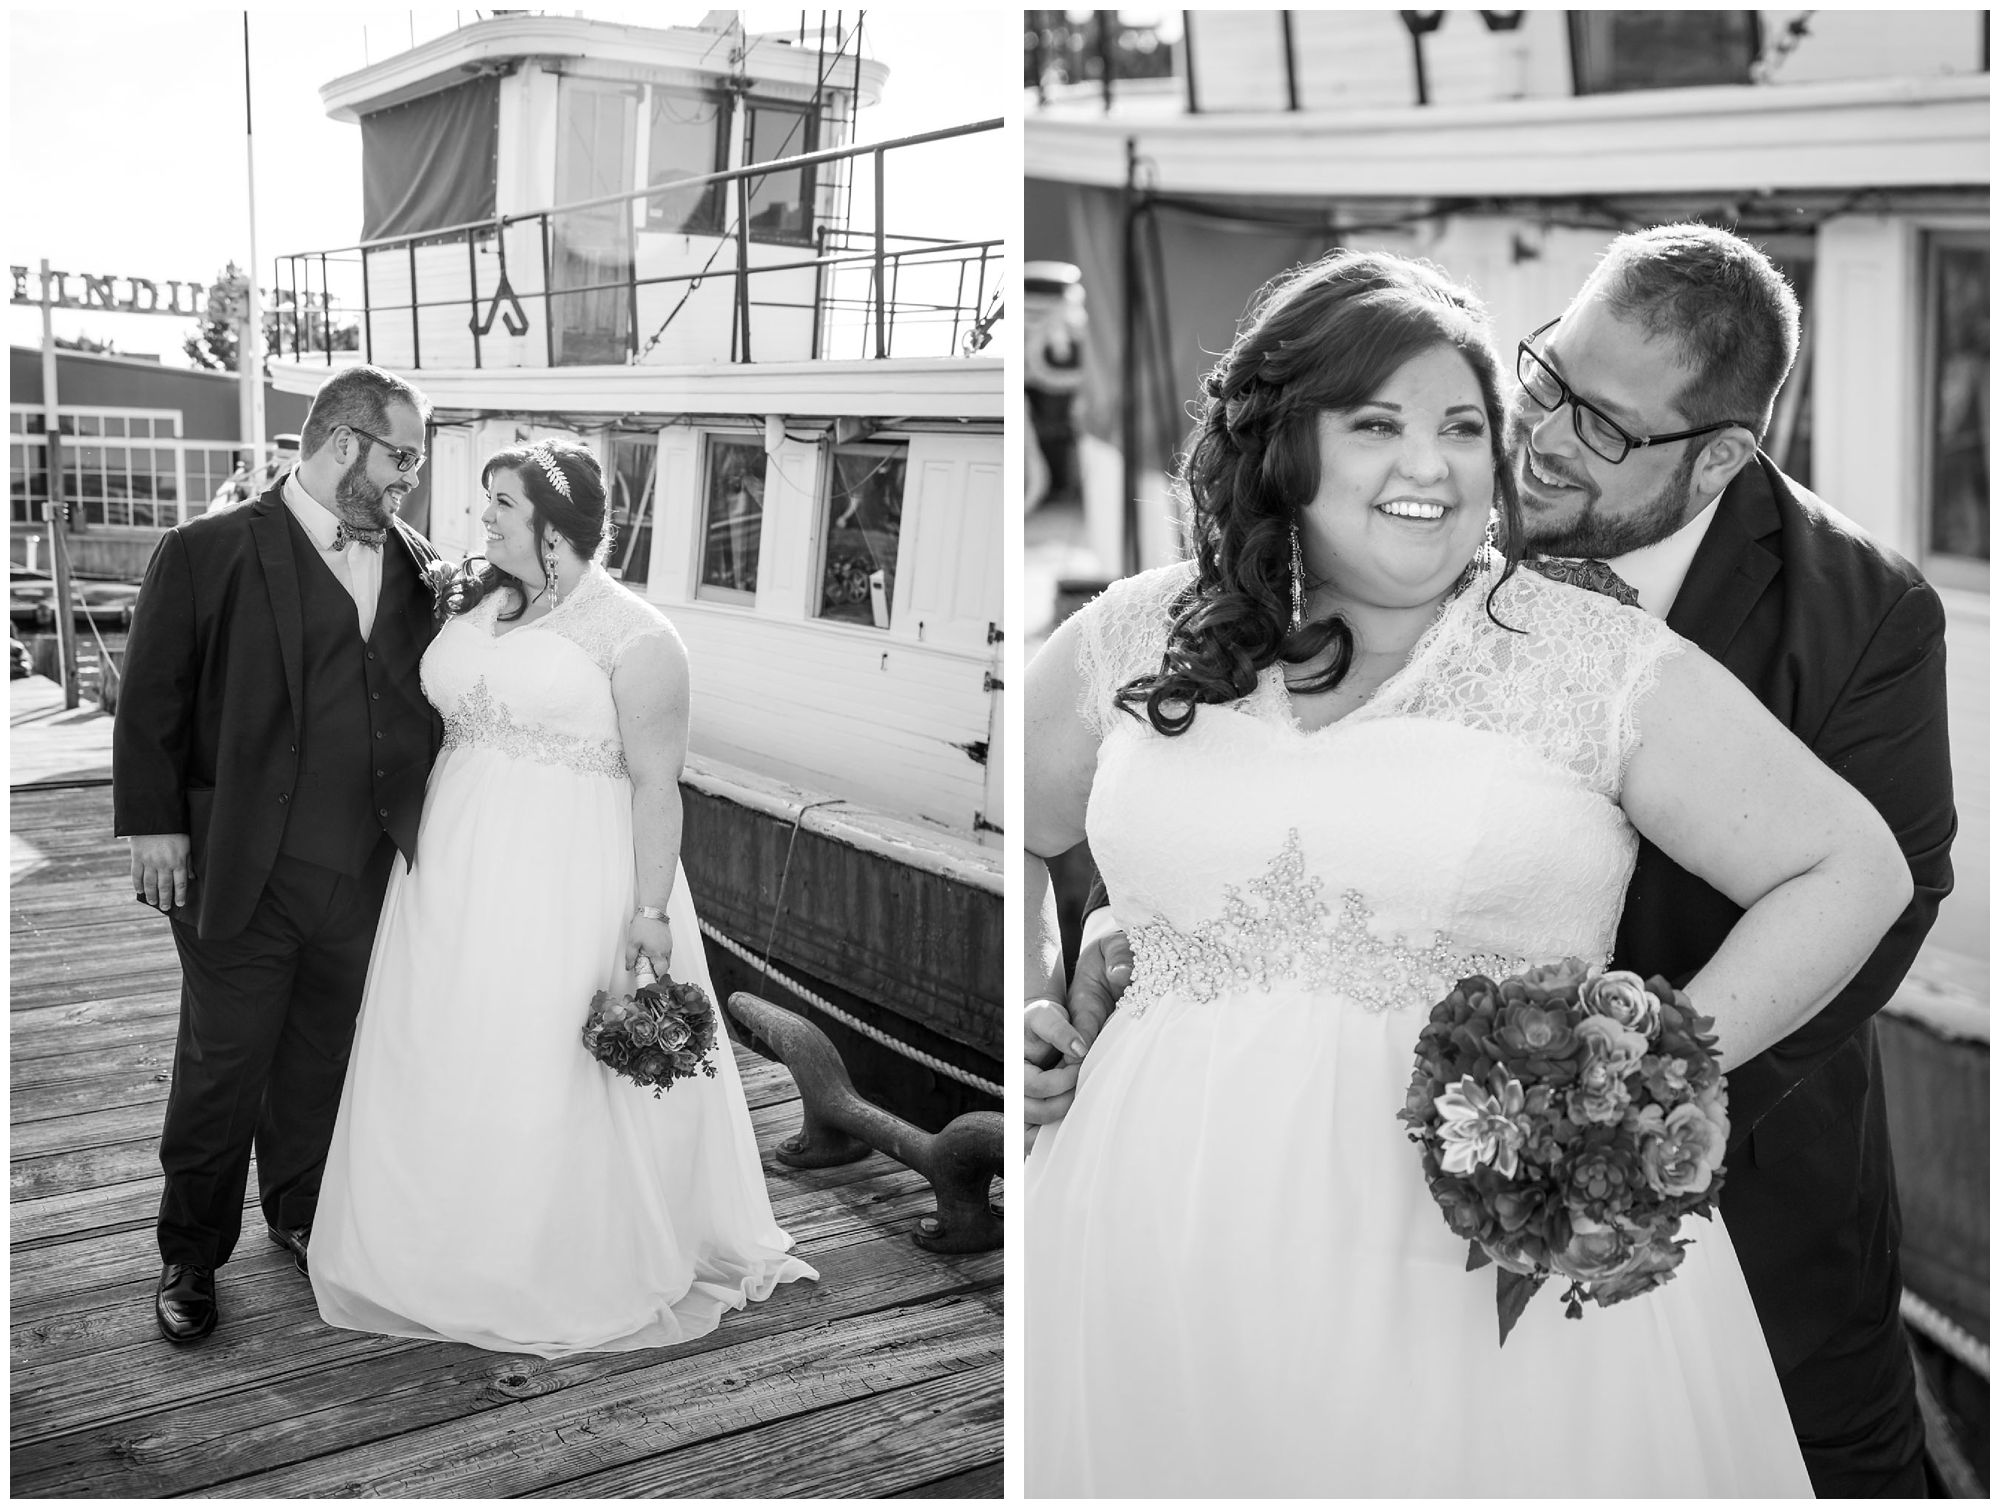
point(881, 1380)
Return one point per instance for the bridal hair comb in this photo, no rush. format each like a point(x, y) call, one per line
point(545, 453)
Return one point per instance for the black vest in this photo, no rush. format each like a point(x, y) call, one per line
point(335, 818)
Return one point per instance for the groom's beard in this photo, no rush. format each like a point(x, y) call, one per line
point(1592, 533)
point(359, 501)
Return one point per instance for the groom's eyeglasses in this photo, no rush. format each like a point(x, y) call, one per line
point(1596, 429)
point(406, 461)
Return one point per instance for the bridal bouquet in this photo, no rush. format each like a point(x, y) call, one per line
point(1569, 1118)
point(662, 1032)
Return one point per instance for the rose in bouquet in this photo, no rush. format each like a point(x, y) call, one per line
point(1568, 1118)
point(662, 1032)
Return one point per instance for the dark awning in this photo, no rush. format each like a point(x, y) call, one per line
point(432, 162)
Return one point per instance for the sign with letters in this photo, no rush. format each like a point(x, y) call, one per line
point(113, 294)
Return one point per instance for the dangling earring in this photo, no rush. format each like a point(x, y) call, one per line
point(549, 578)
point(1479, 557)
point(1298, 582)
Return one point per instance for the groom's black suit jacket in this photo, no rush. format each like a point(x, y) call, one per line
point(208, 734)
point(1844, 642)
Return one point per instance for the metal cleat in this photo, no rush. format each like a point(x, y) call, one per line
point(960, 1162)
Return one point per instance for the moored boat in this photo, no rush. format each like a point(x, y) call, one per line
point(645, 239)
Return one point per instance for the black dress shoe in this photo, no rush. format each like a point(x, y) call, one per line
point(293, 1239)
point(185, 1305)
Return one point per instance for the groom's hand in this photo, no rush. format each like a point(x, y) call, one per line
point(1103, 970)
point(1054, 1052)
point(1056, 1037)
point(160, 869)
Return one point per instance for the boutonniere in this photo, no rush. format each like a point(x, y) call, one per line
point(442, 577)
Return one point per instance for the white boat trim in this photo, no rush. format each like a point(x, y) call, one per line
point(914, 844)
point(483, 46)
point(1881, 132)
point(960, 387)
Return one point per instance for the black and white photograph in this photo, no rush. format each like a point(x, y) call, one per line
point(1506, 792)
point(507, 753)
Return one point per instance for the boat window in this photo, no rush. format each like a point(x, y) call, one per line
point(1957, 401)
point(635, 458)
point(1613, 51)
point(781, 203)
point(864, 519)
point(689, 137)
point(732, 517)
point(591, 249)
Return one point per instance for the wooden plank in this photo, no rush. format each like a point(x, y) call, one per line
point(129, 1148)
point(564, 1418)
point(79, 989)
point(107, 1036)
point(58, 1218)
point(114, 1119)
point(875, 1192)
point(147, 996)
point(131, 1073)
point(891, 1445)
point(139, 1073)
point(62, 1218)
point(35, 1001)
point(113, 1123)
point(60, 1328)
point(58, 1278)
point(980, 1483)
point(110, 952)
point(884, 1375)
point(84, 920)
point(272, 1337)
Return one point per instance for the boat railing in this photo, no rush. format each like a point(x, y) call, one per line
point(472, 294)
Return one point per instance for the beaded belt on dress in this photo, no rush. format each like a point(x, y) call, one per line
point(480, 720)
point(1289, 938)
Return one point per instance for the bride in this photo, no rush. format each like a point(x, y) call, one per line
point(490, 1182)
point(1344, 757)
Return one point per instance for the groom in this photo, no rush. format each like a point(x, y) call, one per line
point(1687, 328)
point(268, 763)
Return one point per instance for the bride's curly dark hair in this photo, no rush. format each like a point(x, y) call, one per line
point(1320, 338)
point(578, 516)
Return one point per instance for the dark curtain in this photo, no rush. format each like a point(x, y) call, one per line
point(432, 162)
point(1199, 266)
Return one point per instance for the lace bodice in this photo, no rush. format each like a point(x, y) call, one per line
point(1463, 819)
point(541, 691)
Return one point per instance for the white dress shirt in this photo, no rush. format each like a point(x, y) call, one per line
point(1656, 571)
point(356, 568)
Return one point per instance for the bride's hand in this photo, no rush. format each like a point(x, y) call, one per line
point(652, 937)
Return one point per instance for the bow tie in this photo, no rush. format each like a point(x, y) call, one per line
point(1592, 576)
point(345, 534)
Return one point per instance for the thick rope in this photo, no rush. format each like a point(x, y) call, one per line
point(1936, 1326)
point(820, 1003)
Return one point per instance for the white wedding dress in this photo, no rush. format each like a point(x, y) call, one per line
point(1236, 1281)
point(489, 1181)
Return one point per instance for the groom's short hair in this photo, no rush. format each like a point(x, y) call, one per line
point(358, 397)
point(1727, 306)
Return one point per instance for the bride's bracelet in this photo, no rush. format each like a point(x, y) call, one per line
point(651, 913)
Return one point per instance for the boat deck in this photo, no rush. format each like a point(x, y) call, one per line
point(881, 1380)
